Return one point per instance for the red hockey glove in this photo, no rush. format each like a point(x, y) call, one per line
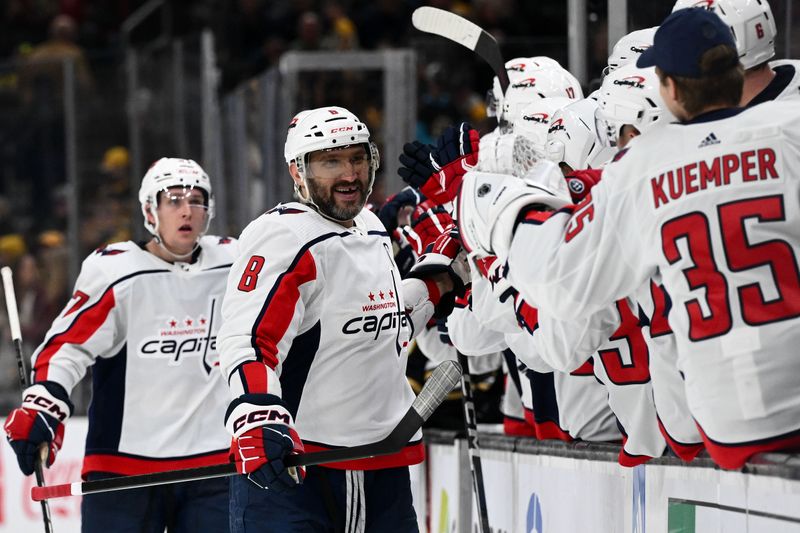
point(263, 436)
point(443, 256)
point(437, 171)
point(38, 421)
point(580, 182)
point(428, 221)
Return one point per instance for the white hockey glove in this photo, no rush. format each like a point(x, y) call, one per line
point(489, 204)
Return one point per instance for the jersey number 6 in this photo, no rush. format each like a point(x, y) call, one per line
point(250, 274)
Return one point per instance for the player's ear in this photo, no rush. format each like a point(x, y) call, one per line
point(295, 173)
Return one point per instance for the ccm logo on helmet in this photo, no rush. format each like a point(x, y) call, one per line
point(47, 405)
point(262, 415)
point(343, 128)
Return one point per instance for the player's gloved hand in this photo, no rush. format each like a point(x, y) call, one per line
point(428, 221)
point(437, 171)
point(37, 422)
point(389, 211)
point(580, 182)
point(443, 257)
point(263, 436)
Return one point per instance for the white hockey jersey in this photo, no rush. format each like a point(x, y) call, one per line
point(713, 207)
point(785, 85)
point(149, 328)
point(314, 314)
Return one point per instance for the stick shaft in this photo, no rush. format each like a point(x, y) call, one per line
point(473, 448)
point(441, 382)
point(24, 379)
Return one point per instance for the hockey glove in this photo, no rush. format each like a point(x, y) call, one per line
point(428, 221)
point(39, 421)
point(489, 205)
point(580, 182)
point(391, 208)
point(443, 256)
point(263, 436)
point(437, 171)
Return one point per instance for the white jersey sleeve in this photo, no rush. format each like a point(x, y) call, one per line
point(710, 206)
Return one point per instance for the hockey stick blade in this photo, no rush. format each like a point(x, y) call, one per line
point(443, 380)
point(466, 33)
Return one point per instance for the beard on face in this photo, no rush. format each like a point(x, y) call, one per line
point(322, 196)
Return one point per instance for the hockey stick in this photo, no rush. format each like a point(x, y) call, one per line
point(473, 449)
point(24, 379)
point(466, 33)
point(442, 381)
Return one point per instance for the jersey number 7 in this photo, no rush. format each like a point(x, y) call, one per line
point(740, 256)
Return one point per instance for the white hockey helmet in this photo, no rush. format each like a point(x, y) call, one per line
point(534, 121)
point(629, 48)
point(327, 128)
point(173, 172)
point(572, 137)
point(751, 22)
point(515, 68)
point(630, 95)
point(547, 82)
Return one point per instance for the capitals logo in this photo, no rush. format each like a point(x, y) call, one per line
point(558, 125)
point(184, 338)
point(632, 82)
point(539, 118)
point(525, 83)
point(516, 67)
point(381, 313)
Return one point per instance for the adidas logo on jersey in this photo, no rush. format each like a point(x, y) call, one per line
point(708, 141)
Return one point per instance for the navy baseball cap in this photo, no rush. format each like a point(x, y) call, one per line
point(683, 38)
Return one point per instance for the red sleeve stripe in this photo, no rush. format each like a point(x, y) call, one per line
point(278, 310)
point(82, 328)
point(253, 375)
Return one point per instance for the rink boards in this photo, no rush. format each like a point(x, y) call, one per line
point(531, 486)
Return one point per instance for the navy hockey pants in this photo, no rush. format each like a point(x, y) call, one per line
point(328, 501)
point(193, 507)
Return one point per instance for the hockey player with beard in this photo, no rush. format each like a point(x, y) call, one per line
point(145, 317)
point(316, 328)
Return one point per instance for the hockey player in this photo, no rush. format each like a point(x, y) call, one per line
point(315, 334)
point(145, 318)
point(702, 205)
point(629, 48)
point(754, 31)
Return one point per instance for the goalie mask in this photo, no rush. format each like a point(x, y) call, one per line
point(751, 23)
point(166, 173)
point(572, 137)
point(630, 95)
point(629, 48)
point(326, 128)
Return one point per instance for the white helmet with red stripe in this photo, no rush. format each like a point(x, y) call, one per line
point(529, 77)
point(629, 48)
point(572, 137)
point(751, 22)
point(630, 95)
point(173, 172)
point(327, 128)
